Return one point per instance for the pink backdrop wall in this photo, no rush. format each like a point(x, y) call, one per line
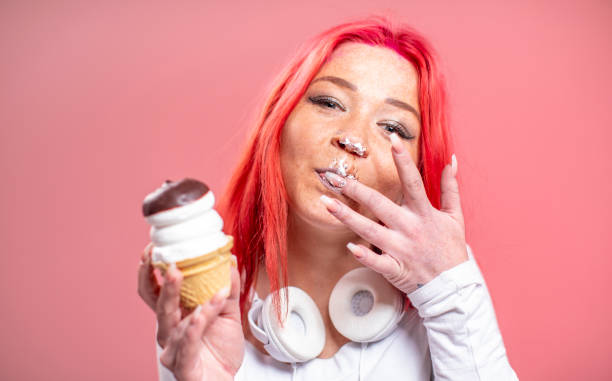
point(101, 101)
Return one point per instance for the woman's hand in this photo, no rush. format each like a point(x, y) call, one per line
point(209, 341)
point(148, 286)
point(418, 241)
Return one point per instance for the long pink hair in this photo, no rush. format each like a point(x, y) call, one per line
point(254, 206)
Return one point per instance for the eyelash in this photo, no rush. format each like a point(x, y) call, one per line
point(401, 131)
point(323, 101)
point(326, 100)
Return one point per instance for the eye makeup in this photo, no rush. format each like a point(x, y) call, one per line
point(389, 126)
point(392, 126)
point(327, 102)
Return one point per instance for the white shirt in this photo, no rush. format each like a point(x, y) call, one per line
point(451, 334)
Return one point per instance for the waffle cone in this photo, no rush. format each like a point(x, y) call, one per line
point(203, 276)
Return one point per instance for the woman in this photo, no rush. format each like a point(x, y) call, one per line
point(349, 166)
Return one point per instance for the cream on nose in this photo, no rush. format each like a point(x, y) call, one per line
point(352, 145)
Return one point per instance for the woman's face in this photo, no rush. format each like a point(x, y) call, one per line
point(343, 122)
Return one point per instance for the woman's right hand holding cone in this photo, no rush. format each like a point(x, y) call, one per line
point(205, 343)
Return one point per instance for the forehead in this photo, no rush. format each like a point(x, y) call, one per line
point(376, 70)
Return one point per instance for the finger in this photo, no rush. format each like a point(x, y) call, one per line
point(146, 253)
point(450, 201)
point(232, 307)
point(383, 208)
point(235, 283)
point(413, 188)
point(168, 356)
point(363, 226)
point(191, 342)
point(148, 287)
point(383, 264)
point(168, 310)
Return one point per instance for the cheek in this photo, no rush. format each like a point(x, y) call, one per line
point(383, 177)
point(293, 162)
point(296, 138)
point(390, 186)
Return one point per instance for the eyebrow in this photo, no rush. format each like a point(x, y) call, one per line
point(344, 83)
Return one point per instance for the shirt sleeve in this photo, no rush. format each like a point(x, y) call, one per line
point(464, 338)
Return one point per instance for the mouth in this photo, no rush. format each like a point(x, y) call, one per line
point(321, 175)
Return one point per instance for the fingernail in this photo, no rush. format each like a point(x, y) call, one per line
point(224, 292)
point(144, 258)
point(454, 164)
point(171, 271)
point(329, 203)
point(219, 296)
point(354, 249)
point(335, 180)
point(234, 260)
point(195, 314)
point(396, 144)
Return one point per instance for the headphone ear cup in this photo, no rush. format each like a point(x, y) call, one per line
point(301, 337)
point(364, 307)
point(254, 319)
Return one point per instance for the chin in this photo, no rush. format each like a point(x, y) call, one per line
point(320, 218)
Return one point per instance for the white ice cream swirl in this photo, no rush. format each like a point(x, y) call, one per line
point(187, 231)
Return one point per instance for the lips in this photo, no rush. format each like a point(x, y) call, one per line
point(321, 175)
point(334, 170)
point(341, 168)
point(329, 182)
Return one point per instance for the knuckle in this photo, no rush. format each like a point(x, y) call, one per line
point(166, 362)
point(165, 309)
point(371, 199)
point(169, 289)
point(398, 272)
point(342, 213)
point(161, 338)
point(415, 184)
point(452, 188)
point(191, 335)
point(369, 232)
point(393, 277)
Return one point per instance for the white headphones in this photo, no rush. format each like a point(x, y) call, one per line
point(363, 307)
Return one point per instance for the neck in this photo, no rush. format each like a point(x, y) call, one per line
point(317, 258)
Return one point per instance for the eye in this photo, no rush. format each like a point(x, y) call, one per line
point(327, 102)
point(399, 129)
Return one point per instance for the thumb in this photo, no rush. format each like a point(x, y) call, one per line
point(449, 190)
point(232, 307)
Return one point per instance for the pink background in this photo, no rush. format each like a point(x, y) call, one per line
point(100, 102)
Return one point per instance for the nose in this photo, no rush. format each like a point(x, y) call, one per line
point(350, 144)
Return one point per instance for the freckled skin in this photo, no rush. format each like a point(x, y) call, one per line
point(316, 240)
point(378, 73)
point(419, 243)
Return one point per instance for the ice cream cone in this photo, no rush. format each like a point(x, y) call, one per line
point(203, 276)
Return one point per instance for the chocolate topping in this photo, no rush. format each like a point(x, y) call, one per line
point(173, 194)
